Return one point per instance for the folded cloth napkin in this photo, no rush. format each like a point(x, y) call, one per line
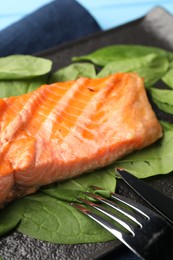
point(55, 23)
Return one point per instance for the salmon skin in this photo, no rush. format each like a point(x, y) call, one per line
point(65, 129)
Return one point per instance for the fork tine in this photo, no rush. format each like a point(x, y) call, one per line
point(103, 222)
point(137, 219)
point(132, 204)
point(116, 218)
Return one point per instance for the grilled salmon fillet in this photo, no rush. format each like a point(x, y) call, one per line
point(65, 129)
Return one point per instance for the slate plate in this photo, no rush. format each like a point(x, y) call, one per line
point(155, 29)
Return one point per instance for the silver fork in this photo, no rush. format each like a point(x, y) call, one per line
point(143, 231)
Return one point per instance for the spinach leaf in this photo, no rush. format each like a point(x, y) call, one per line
point(23, 67)
point(10, 88)
point(151, 67)
point(11, 215)
point(56, 221)
point(168, 77)
point(118, 53)
point(166, 125)
point(73, 72)
point(163, 99)
point(153, 160)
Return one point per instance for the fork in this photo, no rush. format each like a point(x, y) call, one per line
point(143, 231)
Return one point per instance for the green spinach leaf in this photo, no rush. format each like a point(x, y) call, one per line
point(166, 125)
point(56, 221)
point(73, 72)
point(153, 160)
point(11, 215)
point(168, 77)
point(10, 88)
point(118, 53)
point(23, 67)
point(151, 67)
point(163, 99)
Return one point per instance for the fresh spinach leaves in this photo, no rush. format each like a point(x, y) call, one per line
point(118, 53)
point(18, 87)
point(20, 74)
point(153, 160)
point(150, 67)
point(23, 67)
point(168, 77)
point(163, 98)
point(56, 221)
point(73, 72)
point(11, 215)
point(166, 125)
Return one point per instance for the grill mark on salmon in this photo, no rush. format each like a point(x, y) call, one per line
point(65, 129)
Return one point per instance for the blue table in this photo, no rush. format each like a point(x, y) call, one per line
point(108, 13)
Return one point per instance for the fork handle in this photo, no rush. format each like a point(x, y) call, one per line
point(163, 248)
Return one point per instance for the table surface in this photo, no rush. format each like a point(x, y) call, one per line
point(108, 13)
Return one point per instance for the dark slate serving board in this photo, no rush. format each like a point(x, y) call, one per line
point(155, 29)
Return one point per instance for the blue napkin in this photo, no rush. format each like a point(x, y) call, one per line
point(55, 23)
